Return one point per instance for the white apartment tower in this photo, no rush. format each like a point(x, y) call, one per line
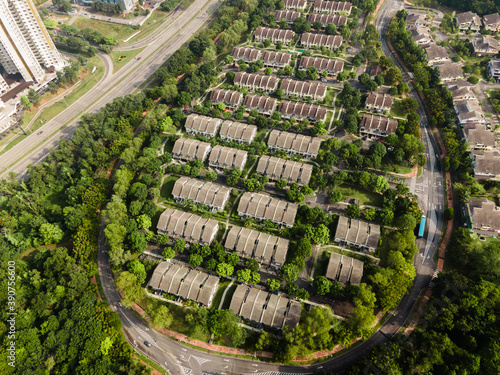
point(25, 44)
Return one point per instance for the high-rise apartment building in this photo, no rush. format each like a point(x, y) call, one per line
point(25, 44)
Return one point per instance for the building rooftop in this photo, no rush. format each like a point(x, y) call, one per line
point(301, 110)
point(229, 97)
point(249, 54)
point(289, 170)
point(295, 142)
point(238, 131)
point(303, 88)
point(190, 149)
point(289, 15)
point(479, 136)
point(333, 6)
point(264, 248)
point(264, 82)
point(357, 232)
point(491, 19)
point(435, 52)
point(450, 70)
point(267, 32)
point(263, 103)
point(202, 192)
point(227, 158)
point(485, 216)
point(325, 19)
point(378, 100)
point(321, 64)
point(378, 125)
point(333, 41)
point(265, 207)
point(344, 269)
point(202, 124)
point(295, 3)
point(486, 162)
point(282, 58)
point(468, 17)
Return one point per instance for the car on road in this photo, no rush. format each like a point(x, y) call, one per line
point(147, 343)
point(138, 58)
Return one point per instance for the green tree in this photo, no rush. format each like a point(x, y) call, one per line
point(138, 269)
point(161, 317)
point(353, 211)
point(289, 272)
point(252, 265)
point(273, 284)
point(179, 245)
point(321, 285)
point(168, 253)
point(244, 275)
point(225, 269)
point(143, 221)
point(211, 176)
point(162, 239)
point(51, 233)
point(195, 260)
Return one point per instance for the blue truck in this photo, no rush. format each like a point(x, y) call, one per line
point(422, 227)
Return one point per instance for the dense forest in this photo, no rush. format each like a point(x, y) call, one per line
point(480, 7)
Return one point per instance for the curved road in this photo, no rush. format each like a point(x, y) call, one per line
point(35, 148)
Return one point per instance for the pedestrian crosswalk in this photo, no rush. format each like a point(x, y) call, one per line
point(186, 370)
point(143, 334)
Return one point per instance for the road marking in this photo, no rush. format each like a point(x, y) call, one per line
point(199, 359)
point(186, 370)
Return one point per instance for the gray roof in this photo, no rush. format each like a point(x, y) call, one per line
point(198, 124)
point(185, 282)
point(378, 125)
point(266, 32)
point(321, 64)
point(485, 216)
point(450, 70)
point(479, 136)
point(190, 149)
point(227, 158)
point(261, 102)
point(358, 233)
point(245, 53)
point(202, 192)
point(491, 19)
point(261, 81)
point(233, 130)
point(289, 170)
point(332, 41)
point(435, 52)
point(486, 162)
point(263, 307)
point(281, 58)
point(298, 143)
point(190, 227)
point(486, 44)
point(325, 19)
point(314, 112)
point(379, 100)
point(289, 15)
point(295, 3)
point(262, 247)
point(332, 6)
point(228, 97)
point(303, 88)
point(344, 269)
point(468, 17)
point(265, 207)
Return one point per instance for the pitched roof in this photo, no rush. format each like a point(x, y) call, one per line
point(238, 131)
point(190, 149)
point(289, 170)
point(259, 80)
point(289, 15)
point(294, 142)
point(450, 70)
point(325, 19)
point(190, 227)
point(302, 110)
point(185, 282)
point(479, 135)
point(378, 125)
point(321, 63)
point(278, 57)
point(268, 208)
point(202, 124)
point(487, 162)
point(332, 6)
point(262, 247)
point(485, 216)
point(303, 88)
point(491, 19)
point(202, 192)
point(295, 3)
point(379, 100)
point(250, 54)
point(433, 52)
point(280, 34)
point(468, 17)
point(344, 269)
point(264, 103)
point(486, 43)
point(227, 158)
point(357, 232)
point(229, 97)
point(333, 41)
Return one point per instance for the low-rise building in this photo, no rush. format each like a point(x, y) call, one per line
point(275, 35)
point(332, 42)
point(480, 137)
point(450, 71)
point(357, 233)
point(294, 144)
point(232, 99)
point(276, 59)
point(300, 111)
point(201, 192)
point(227, 158)
point(486, 164)
point(179, 280)
point(233, 131)
point(202, 125)
point(486, 45)
point(420, 36)
point(187, 226)
point(261, 307)
point(288, 15)
point(325, 19)
point(247, 54)
point(344, 269)
point(377, 126)
point(256, 82)
point(304, 90)
point(417, 19)
point(375, 71)
point(263, 207)
point(262, 247)
point(332, 7)
point(462, 93)
point(333, 67)
point(265, 105)
point(295, 4)
point(288, 170)
point(190, 149)
point(484, 217)
point(494, 69)
point(468, 21)
point(435, 54)
point(379, 102)
point(469, 112)
point(492, 22)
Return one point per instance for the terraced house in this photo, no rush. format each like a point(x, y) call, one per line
point(275, 35)
point(332, 42)
point(377, 126)
point(379, 102)
point(247, 54)
point(263, 207)
point(201, 192)
point(276, 59)
point(333, 67)
point(202, 125)
point(288, 15)
point(190, 149)
point(294, 144)
point(227, 158)
point(233, 131)
point(332, 7)
point(232, 99)
point(325, 19)
point(187, 226)
point(344, 269)
point(262, 247)
point(256, 82)
point(304, 90)
point(265, 105)
point(295, 4)
point(300, 111)
point(288, 170)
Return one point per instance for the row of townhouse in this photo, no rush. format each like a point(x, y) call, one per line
point(265, 105)
point(269, 58)
point(304, 90)
point(379, 102)
point(310, 40)
point(228, 130)
point(300, 111)
point(256, 82)
point(294, 144)
point(291, 15)
point(275, 35)
point(332, 7)
point(333, 67)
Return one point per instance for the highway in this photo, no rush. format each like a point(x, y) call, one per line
point(181, 27)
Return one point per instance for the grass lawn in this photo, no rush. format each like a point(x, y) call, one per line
point(16, 140)
point(167, 187)
point(328, 118)
point(402, 170)
point(153, 22)
point(120, 58)
point(120, 32)
point(397, 110)
point(365, 197)
point(156, 217)
point(330, 94)
point(229, 296)
point(218, 295)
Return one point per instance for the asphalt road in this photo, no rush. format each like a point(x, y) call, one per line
point(35, 148)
